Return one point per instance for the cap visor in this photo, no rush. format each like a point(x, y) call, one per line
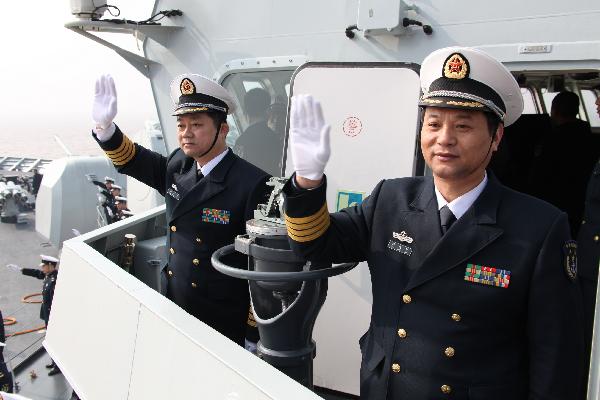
point(454, 102)
point(189, 110)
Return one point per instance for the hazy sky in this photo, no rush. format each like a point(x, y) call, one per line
point(47, 79)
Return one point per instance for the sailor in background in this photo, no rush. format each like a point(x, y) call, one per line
point(6, 380)
point(48, 272)
point(588, 240)
point(122, 210)
point(475, 292)
point(209, 192)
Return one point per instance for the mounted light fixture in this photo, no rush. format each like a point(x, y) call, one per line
point(88, 9)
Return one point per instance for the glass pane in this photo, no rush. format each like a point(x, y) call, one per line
point(529, 102)
point(257, 127)
point(589, 102)
point(548, 97)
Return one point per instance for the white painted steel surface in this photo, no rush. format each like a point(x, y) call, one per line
point(115, 338)
point(67, 200)
point(372, 111)
point(315, 29)
point(141, 197)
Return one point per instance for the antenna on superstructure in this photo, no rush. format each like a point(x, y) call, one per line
point(64, 147)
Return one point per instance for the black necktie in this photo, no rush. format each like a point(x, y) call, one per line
point(199, 175)
point(446, 219)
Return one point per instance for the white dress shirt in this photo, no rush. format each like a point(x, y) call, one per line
point(461, 204)
point(209, 166)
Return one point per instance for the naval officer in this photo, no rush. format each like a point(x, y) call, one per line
point(209, 192)
point(588, 240)
point(48, 272)
point(475, 292)
point(6, 379)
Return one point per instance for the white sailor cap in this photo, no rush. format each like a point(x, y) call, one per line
point(121, 199)
point(109, 179)
point(48, 259)
point(2, 344)
point(463, 77)
point(116, 187)
point(193, 93)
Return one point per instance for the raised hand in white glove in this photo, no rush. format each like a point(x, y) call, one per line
point(309, 137)
point(13, 267)
point(104, 109)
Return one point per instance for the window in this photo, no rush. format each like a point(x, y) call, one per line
point(588, 98)
point(529, 101)
point(257, 127)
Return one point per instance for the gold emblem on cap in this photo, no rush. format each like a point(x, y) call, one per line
point(456, 67)
point(187, 86)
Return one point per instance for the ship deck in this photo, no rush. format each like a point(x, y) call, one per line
point(20, 244)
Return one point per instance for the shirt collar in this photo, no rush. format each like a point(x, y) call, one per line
point(209, 166)
point(461, 204)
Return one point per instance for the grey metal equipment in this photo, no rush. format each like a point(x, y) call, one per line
point(287, 292)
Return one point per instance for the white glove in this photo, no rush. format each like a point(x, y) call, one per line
point(309, 137)
point(91, 177)
point(104, 109)
point(13, 267)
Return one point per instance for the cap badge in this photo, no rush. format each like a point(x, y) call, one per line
point(456, 67)
point(187, 86)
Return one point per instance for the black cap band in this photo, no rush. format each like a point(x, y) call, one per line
point(197, 99)
point(468, 86)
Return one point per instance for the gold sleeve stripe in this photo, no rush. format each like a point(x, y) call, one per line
point(306, 220)
point(119, 149)
point(313, 236)
point(251, 321)
point(125, 158)
point(309, 225)
point(307, 232)
point(123, 154)
point(308, 229)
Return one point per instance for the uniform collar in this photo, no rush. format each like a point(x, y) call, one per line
point(461, 204)
point(209, 166)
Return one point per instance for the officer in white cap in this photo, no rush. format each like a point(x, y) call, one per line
point(122, 210)
point(475, 290)
point(109, 181)
point(48, 272)
point(209, 192)
point(115, 190)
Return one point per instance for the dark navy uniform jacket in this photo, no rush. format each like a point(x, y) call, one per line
point(589, 250)
point(437, 331)
point(47, 289)
point(202, 216)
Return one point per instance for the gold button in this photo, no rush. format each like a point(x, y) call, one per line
point(198, 240)
point(396, 367)
point(456, 317)
point(194, 285)
point(170, 273)
point(173, 228)
point(583, 222)
point(406, 299)
point(402, 333)
point(449, 352)
point(196, 261)
point(596, 238)
point(172, 250)
point(446, 389)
